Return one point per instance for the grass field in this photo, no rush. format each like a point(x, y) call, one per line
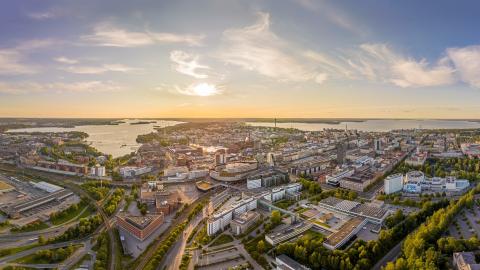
point(10, 251)
point(73, 214)
point(222, 239)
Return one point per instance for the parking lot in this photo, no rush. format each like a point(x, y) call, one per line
point(466, 224)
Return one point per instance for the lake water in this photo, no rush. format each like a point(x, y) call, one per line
point(117, 140)
point(377, 125)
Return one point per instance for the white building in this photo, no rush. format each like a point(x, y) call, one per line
point(254, 183)
point(46, 186)
point(222, 219)
point(193, 174)
point(393, 183)
point(173, 171)
point(334, 178)
point(127, 172)
point(98, 171)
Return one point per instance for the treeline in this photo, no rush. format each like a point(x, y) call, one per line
point(85, 227)
point(172, 238)
point(96, 189)
point(423, 248)
point(463, 168)
point(313, 189)
point(113, 201)
point(50, 256)
point(101, 248)
point(56, 217)
point(361, 255)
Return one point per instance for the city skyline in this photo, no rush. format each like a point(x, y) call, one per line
point(268, 59)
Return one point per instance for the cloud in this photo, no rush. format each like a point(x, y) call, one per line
point(106, 34)
point(378, 62)
point(100, 69)
point(12, 63)
point(195, 89)
point(47, 14)
point(65, 60)
point(467, 63)
point(199, 89)
point(58, 87)
point(335, 16)
point(187, 64)
point(12, 60)
point(257, 48)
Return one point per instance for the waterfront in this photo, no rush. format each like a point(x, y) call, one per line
point(377, 125)
point(116, 140)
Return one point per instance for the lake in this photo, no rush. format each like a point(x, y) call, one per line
point(116, 140)
point(377, 125)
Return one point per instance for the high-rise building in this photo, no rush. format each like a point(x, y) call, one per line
point(377, 145)
point(341, 153)
point(393, 183)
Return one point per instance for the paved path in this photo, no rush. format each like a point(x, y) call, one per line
point(391, 256)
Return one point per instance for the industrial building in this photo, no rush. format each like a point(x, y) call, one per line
point(15, 211)
point(355, 209)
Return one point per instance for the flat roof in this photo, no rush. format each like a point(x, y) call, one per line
point(344, 231)
point(5, 186)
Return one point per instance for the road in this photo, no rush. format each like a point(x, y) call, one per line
point(183, 216)
point(175, 254)
point(391, 256)
point(24, 253)
point(65, 182)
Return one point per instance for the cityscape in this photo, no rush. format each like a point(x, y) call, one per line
point(235, 135)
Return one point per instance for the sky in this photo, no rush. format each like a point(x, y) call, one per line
point(240, 58)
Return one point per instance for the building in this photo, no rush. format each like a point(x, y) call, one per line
point(129, 172)
point(341, 153)
point(221, 219)
point(15, 211)
point(98, 171)
point(345, 233)
point(334, 178)
point(393, 183)
point(286, 263)
point(290, 192)
point(139, 227)
point(175, 170)
point(46, 186)
point(166, 202)
point(292, 231)
point(4, 187)
point(370, 212)
point(417, 159)
point(377, 145)
point(465, 261)
point(62, 167)
point(240, 224)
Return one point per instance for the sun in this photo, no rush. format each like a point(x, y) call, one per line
point(205, 89)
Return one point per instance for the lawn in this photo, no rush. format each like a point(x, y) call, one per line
point(222, 239)
point(72, 214)
point(34, 226)
point(284, 204)
point(10, 251)
point(55, 256)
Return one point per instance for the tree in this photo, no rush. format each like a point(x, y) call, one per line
point(261, 246)
point(41, 239)
point(276, 217)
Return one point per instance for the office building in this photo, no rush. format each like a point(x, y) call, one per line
point(139, 227)
point(240, 224)
point(221, 219)
point(393, 183)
